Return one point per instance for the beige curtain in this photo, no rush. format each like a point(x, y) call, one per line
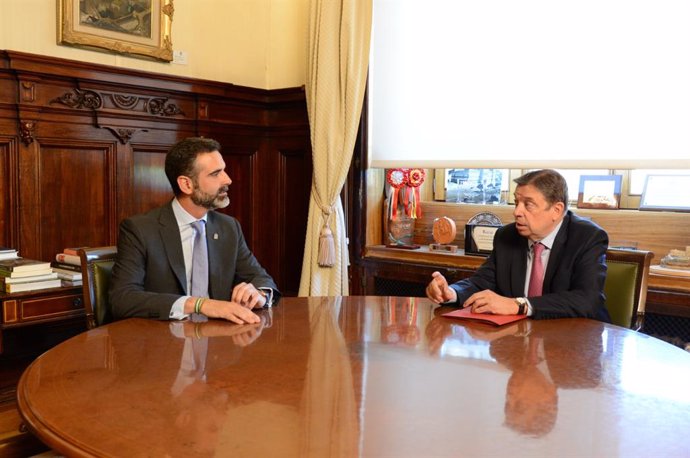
point(338, 57)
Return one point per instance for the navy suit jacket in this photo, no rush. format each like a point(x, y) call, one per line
point(149, 274)
point(574, 278)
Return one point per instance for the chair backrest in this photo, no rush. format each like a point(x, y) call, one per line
point(96, 268)
point(626, 286)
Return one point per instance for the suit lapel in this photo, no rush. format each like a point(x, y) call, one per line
point(170, 235)
point(214, 240)
point(519, 271)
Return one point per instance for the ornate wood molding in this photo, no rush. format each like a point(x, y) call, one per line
point(122, 134)
point(92, 100)
point(26, 131)
point(126, 102)
point(202, 110)
point(158, 106)
point(79, 98)
point(28, 91)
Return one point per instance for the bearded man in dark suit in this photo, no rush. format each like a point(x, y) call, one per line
point(152, 276)
point(572, 258)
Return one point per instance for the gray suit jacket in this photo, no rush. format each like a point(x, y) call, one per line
point(149, 274)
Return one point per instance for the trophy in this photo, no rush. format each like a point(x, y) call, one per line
point(404, 206)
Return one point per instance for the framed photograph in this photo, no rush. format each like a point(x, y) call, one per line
point(599, 191)
point(666, 192)
point(140, 28)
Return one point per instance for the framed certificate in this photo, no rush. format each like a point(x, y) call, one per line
point(479, 238)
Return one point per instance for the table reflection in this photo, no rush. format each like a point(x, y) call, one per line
point(399, 322)
point(540, 360)
point(358, 376)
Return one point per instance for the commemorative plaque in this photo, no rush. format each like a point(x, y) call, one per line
point(479, 233)
point(444, 232)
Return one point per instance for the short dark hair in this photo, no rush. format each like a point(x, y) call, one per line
point(180, 159)
point(549, 182)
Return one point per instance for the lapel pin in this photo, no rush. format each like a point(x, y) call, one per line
point(215, 236)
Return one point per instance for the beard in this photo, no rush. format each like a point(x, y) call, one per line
point(210, 201)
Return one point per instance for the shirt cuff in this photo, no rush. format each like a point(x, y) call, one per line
point(457, 295)
point(177, 309)
point(269, 295)
point(529, 308)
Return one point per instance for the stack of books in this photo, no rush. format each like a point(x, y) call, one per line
point(67, 266)
point(23, 274)
point(8, 253)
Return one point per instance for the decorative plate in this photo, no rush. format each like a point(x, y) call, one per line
point(487, 218)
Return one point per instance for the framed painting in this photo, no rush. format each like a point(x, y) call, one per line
point(140, 28)
point(599, 191)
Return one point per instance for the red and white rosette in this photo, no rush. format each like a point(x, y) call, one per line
point(397, 178)
point(415, 178)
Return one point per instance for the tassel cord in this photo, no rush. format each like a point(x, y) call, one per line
point(326, 253)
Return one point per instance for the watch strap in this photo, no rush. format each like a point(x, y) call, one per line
point(522, 305)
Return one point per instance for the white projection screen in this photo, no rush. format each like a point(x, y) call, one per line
point(530, 83)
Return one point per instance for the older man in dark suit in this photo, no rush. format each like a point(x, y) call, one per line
point(549, 263)
point(158, 252)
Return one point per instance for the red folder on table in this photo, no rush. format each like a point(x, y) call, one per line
point(496, 320)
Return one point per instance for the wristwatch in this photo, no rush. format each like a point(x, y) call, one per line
point(522, 305)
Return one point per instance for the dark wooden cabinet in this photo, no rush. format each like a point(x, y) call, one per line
point(398, 272)
point(31, 322)
point(45, 306)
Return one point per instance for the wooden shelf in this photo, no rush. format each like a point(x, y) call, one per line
point(424, 256)
point(669, 283)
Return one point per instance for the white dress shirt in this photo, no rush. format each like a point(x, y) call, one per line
point(548, 244)
point(187, 234)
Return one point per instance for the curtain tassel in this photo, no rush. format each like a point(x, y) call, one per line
point(326, 247)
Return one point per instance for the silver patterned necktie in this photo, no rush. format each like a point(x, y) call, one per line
point(199, 261)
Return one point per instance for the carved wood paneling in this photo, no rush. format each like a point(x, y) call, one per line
point(240, 167)
point(97, 100)
point(7, 192)
point(27, 91)
point(295, 181)
point(26, 131)
point(82, 146)
point(150, 187)
point(74, 196)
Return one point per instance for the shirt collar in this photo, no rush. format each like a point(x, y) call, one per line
point(549, 239)
point(182, 216)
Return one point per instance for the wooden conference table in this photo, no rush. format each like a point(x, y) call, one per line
point(360, 376)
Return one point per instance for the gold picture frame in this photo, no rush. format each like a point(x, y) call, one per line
point(140, 28)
